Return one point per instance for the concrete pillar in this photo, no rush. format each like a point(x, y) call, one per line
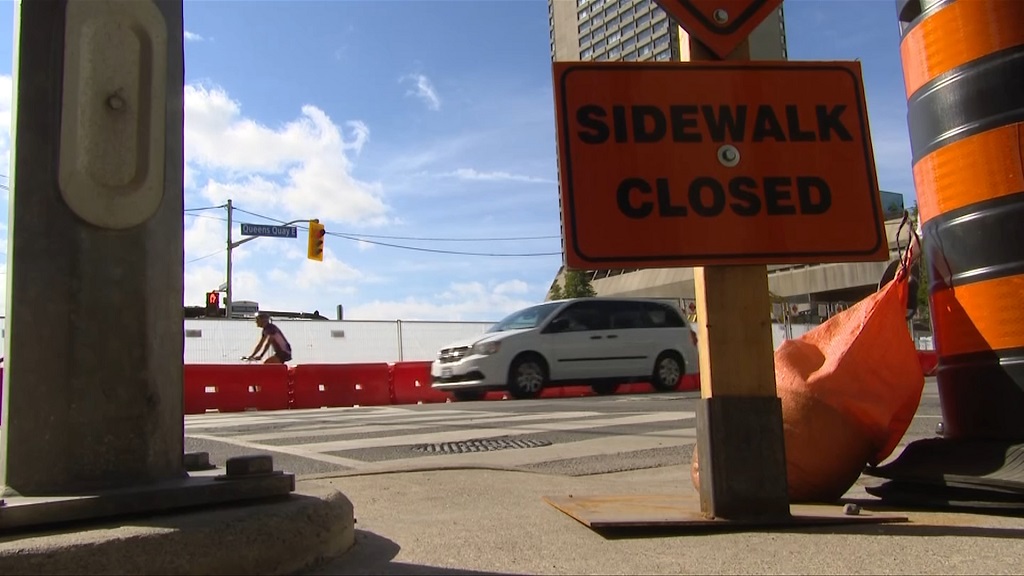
point(92, 395)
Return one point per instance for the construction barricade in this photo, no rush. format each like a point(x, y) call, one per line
point(929, 361)
point(410, 384)
point(689, 383)
point(235, 388)
point(341, 385)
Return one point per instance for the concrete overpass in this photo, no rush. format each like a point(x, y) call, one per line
point(799, 284)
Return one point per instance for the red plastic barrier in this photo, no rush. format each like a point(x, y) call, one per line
point(341, 385)
point(235, 388)
point(410, 384)
point(686, 383)
point(636, 388)
point(929, 361)
point(567, 392)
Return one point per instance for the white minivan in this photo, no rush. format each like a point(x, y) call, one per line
point(601, 342)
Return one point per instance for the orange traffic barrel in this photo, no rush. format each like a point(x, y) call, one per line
point(963, 68)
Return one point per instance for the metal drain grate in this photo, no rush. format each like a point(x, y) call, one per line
point(488, 445)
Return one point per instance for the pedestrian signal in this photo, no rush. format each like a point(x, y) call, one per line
point(213, 303)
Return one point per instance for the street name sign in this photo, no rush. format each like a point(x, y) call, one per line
point(271, 231)
point(721, 25)
point(676, 164)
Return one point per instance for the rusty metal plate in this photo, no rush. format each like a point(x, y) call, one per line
point(678, 511)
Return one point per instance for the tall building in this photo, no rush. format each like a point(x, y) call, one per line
point(640, 31)
point(636, 31)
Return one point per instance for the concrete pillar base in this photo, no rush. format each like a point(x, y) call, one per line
point(283, 536)
point(19, 512)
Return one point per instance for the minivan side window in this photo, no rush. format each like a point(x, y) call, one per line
point(580, 317)
point(627, 315)
point(662, 316)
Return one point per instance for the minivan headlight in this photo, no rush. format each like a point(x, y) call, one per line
point(486, 348)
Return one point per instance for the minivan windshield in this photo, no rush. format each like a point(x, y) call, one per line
point(526, 318)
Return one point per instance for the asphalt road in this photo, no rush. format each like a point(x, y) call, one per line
point(563, 436)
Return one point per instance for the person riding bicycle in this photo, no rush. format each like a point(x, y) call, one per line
point(272, 336)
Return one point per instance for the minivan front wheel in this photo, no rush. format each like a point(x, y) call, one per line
point(527, 377)
point(668, 369)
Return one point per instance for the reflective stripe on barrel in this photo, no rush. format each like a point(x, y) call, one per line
point(963, 64)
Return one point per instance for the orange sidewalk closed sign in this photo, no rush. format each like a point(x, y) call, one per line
point(696, 163)
point(721, 25)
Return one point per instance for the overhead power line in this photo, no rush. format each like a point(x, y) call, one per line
point(210, 255)
point(426, 239)
point(204, 208)
point(364, 238)
point(208, 217)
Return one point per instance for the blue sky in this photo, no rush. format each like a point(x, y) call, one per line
point(417, 123)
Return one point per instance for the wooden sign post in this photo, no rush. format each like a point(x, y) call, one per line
point(727, 166)
point(741, 449)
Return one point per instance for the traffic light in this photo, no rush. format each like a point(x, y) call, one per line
point(212, 304)
point(315, 250)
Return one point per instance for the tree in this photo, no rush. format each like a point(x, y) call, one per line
point(577, 285)
point(556, 292)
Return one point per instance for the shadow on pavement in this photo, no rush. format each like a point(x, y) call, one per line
point(925, 530)
point(901, 529)
point(375, 554)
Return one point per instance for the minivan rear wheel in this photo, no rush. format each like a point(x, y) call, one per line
point(668, 369)
point(527, 377)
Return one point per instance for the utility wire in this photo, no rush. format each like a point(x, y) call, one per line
point(439, 251)
point(424, 239)
point(207, 217)
point(211, 255)
point(362, 238)
point(222, 206)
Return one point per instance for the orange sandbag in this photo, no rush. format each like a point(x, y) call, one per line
point(849, 390)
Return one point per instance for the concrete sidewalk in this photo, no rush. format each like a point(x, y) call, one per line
point(495, 522)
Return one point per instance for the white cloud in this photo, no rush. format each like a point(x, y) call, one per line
point(300, 169)
point(200, 279)
point(297, 171)
point(3, 288)
point(192, 37)
point(470, 301)
point(439, 151)
point(204, 235)
point(512, 287)
point(475, 175)
point(424, 90)
point(6, 95)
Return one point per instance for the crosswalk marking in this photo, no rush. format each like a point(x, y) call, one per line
point(582, 449)
point(330, 436)
point(464, 419)
point(477, 433)
point(228, 419)
point(291, 450)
